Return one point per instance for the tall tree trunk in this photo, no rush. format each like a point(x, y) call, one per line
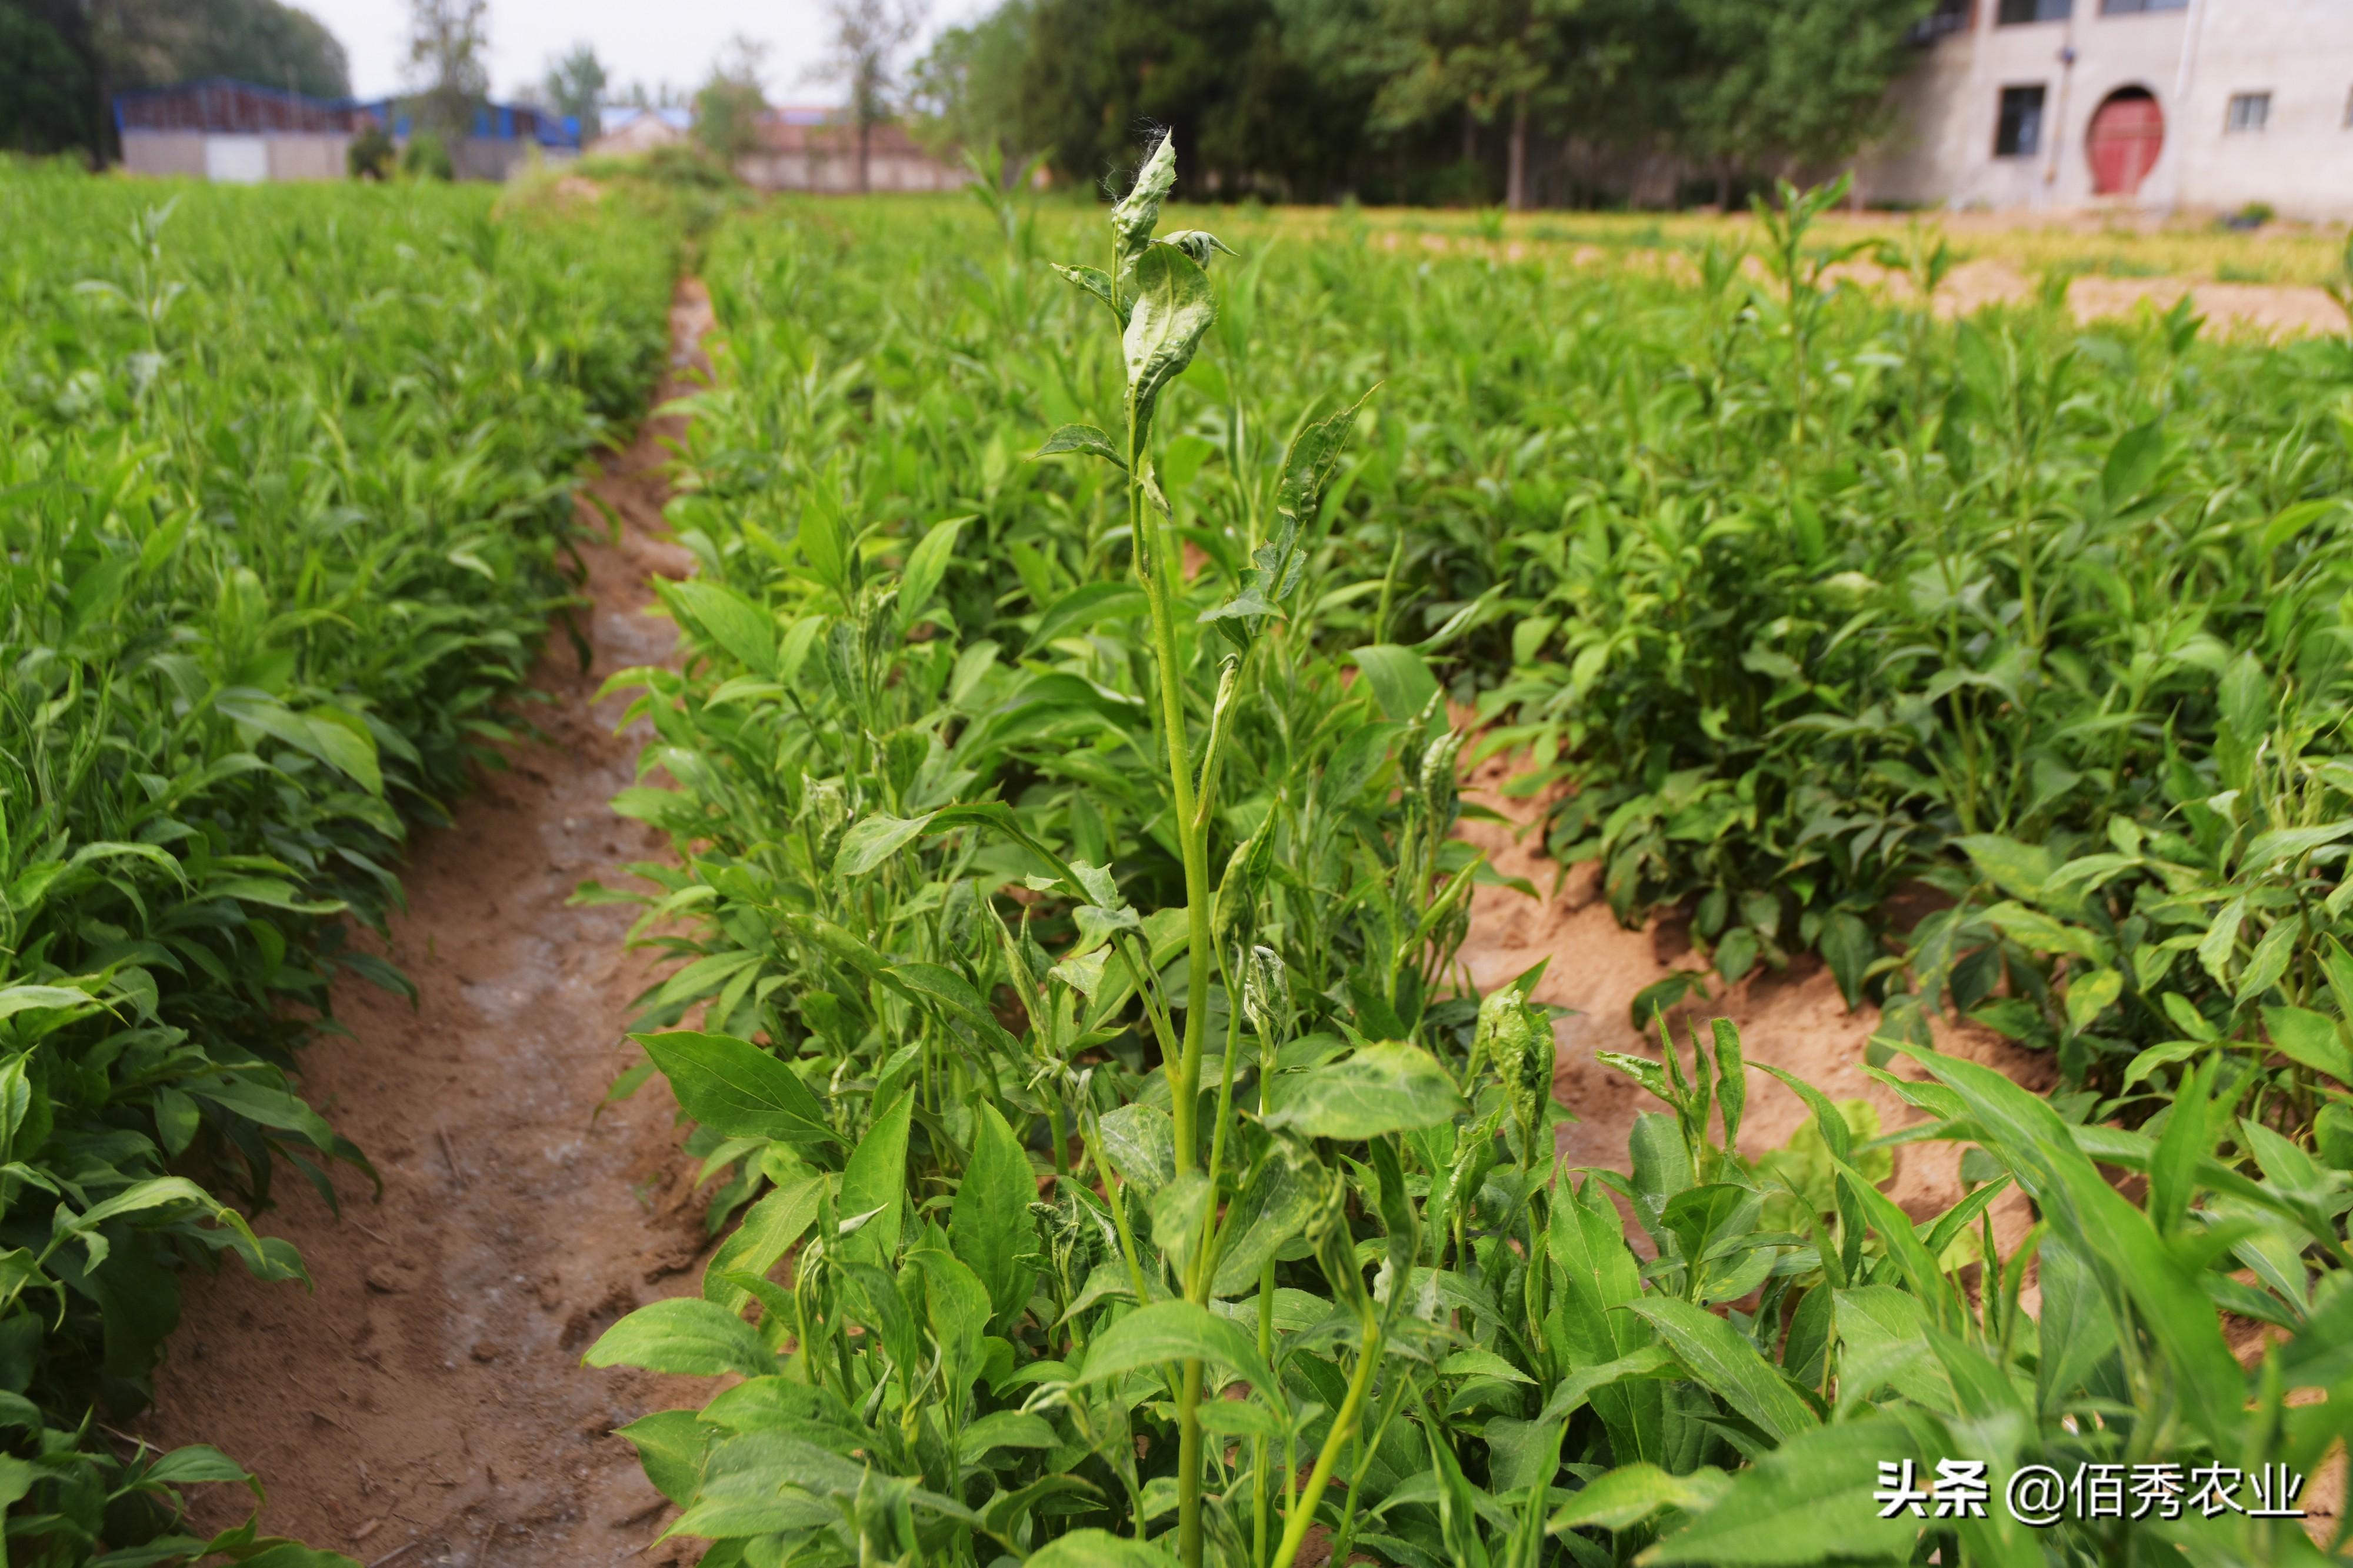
point(1724, 185)
point(1470, 135)
point(1516, 177)
point(865, 140)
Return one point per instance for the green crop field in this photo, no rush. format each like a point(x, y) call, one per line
point(285, 480)
point(1088, 818)
point(1109, 1158)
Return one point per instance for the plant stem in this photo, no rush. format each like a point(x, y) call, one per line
point(1156, 566)
point(1303, 1508)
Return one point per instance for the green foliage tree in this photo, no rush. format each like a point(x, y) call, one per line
point(575, 86)
point(62, 61)
point(1800, 82)
point(1309, 97)
point(48, 101)
point(869, 37)
point(449, 48)
point(967, 91)
point(370, 155)
point(1245, 109)
point(154, 42)
point(727, 111)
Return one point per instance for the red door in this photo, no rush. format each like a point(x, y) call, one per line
point(2127, 133)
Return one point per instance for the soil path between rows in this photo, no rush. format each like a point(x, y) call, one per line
point(426, 1404)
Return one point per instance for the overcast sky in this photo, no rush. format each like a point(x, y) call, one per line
point(638, 40)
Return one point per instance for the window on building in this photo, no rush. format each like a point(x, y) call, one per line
point(1944, 17)
point(2015, 11)
point(2249, 111)
point(2130, 7)
point(2019, 132)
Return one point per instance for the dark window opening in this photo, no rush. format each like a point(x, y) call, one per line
point(2015, 12)
point(2020, 133)
point(2249, 111)
point(2133, 8)
point(1946, 16)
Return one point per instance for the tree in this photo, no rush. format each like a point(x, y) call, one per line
point(868, 38)
point(448, 44)
point(1247, 110)
point(1800, 82)
point(727, 111)
point(49, 102)
point(156, 43)
point(1483, 59)
point(966, 92)
point(575, 86)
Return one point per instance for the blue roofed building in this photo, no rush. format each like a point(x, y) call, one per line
point(241, 132)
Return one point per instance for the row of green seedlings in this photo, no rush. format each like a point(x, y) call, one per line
point(283, 480)
point(1175, 1201)
point(2048, 620)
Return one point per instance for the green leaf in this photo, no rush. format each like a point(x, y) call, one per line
point(2022, 870)
point(768, 1230)
point(1098, 1549)
point(1173, 307)
point(1004, 1429)
point(1477, 1363)
point(2090, 994)
point(731, 620)
point(874, 839)
point(1387, 1087)
point(685, 1334)
point(2132, 463)
point(1140, 1142)
point(1081, 439)
point(1275, 1205)
point(669, 1445)
point(1086, 606)
point(2309, 1038)
point(1167, 1332)
point(1809, 1500)
point(1719, 1357)
point(23, 998)
point(876, 1179)
point(1631, 1493)
point(989, 1225)
point(2104, 1228)
point(1400, 680)
point(737, 1090)
point(927, 566)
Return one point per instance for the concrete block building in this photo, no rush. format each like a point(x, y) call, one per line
point(2159, 105)
point(241, 133)
point(811, 148)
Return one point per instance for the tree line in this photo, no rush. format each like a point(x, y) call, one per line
point(62, 61)
point(1525, 102)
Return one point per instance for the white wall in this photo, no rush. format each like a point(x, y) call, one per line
point(236, 160)
point(2190, 61)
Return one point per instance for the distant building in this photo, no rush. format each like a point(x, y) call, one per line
point(632, 128)
point(804, 149)
point(2139, 104)
point(241, 133)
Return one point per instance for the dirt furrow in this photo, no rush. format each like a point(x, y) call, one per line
point(426, 1404)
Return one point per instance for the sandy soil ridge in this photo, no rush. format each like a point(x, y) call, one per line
point(427, 1405)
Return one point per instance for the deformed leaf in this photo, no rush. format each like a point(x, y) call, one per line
point(1081, 439)
point(1387, 1087)
point(874, 839)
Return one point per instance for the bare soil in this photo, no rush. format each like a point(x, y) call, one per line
point(1794, 1019)
point(428, 1403)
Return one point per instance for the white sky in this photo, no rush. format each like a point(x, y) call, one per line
point(638, 40)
